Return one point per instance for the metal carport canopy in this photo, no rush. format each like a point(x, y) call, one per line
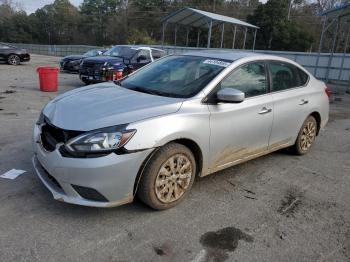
point(190, 17)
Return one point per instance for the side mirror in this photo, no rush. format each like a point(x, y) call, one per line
point(230, 95)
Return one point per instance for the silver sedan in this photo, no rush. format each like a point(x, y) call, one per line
point(183, 116)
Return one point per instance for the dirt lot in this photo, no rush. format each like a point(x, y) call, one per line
point(276, 208)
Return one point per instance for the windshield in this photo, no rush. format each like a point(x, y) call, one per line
point(122, 51)
point(175, 76)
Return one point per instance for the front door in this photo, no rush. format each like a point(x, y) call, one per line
point(240, 131)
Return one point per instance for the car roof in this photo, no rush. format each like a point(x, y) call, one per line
point(141, 47)
point(224, 54)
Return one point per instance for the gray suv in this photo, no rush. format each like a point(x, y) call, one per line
point(151, 133)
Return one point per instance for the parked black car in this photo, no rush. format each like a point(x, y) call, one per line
point(116, 63)
point(71, 63)
point(13, 55)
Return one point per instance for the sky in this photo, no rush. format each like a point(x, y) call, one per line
point(31, 5)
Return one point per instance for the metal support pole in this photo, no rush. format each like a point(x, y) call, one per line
point(209, 33)
point(222, 34)
point(187, 32)
point(198, 34)
point(330, 59)
point(175, 34)
point(344, 53)
point(320, 46)
point(245, 37)
point(254, 39)
point(234, 37)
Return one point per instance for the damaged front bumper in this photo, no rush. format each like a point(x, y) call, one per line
point(105, 181)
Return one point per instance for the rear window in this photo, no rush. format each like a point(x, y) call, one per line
point(121, 51)
point(303, 77)
point(157, 54)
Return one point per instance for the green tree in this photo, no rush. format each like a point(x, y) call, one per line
point(276, 31)
point(56, 23)
point(99, 15)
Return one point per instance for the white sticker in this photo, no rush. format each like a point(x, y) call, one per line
point(12, 174)
point(216, 62)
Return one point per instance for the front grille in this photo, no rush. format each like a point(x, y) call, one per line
point(90, 67)
point(52, 135)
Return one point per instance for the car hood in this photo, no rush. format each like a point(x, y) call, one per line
point(73, 57)
point(106, 104)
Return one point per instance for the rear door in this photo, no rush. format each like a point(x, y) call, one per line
point(291, 102)
point(240, 131)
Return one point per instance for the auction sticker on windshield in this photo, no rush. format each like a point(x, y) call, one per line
point(216, 62)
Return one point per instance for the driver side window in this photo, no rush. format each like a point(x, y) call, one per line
point(249, 78)
point(144, 56)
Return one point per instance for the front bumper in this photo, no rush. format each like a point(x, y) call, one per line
point(92, 78)
point(25, 57)
point(69, 66)
point(113, 176)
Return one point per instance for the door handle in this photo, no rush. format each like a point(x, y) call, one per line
point(303, 102)
point(265, 110)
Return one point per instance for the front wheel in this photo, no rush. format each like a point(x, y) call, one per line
point(168, 177)
point(13, 60)
point(306, 136)
point(85, 81)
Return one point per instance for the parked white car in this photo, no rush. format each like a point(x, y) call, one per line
point(179, 117)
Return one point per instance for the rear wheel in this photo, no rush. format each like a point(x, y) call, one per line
point(168, 178)
point(13, 60)
point(306, 136)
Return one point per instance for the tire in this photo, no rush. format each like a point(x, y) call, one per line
point(160, 177)
point(306, 136)
point(86, 82)
point(13, 60)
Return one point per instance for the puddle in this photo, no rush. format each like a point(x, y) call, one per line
point(218, 244)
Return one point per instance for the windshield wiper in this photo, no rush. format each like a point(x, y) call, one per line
point(148, 91)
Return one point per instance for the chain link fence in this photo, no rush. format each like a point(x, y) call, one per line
point(324, 66)
point(56, 50)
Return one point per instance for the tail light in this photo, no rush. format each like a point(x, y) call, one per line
point(112, 75)
point(328, 91)
point(118, 75)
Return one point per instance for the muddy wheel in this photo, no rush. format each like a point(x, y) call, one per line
point(13, 60)
point(168, 177)
point(306, 136)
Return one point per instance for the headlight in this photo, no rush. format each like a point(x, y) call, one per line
point(102, 140)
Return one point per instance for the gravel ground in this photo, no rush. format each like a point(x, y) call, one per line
point(279, 207)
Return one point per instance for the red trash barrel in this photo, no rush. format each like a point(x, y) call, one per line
point(48, 78)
